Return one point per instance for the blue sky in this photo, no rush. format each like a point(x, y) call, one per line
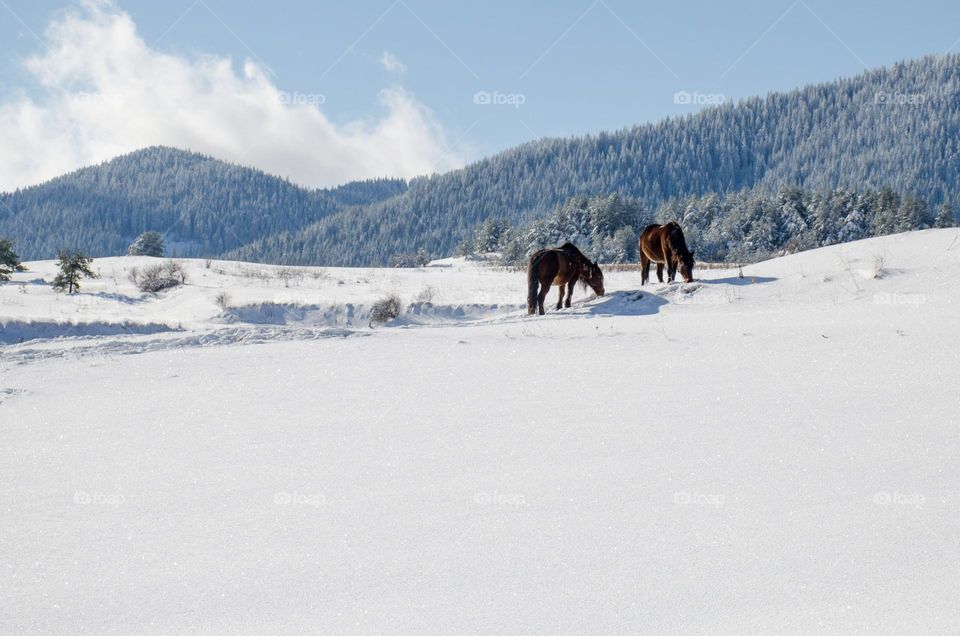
point(556, 68)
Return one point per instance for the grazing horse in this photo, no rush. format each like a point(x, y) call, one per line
point(564, 265)
point(664, 245)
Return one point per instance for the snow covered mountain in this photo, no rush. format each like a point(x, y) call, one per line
point(893, 127)
point(201, 205)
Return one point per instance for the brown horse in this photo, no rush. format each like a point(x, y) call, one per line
point(564, 265)
point(664, 245)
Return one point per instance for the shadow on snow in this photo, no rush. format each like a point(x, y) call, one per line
point(736, 280)
point(620, 303)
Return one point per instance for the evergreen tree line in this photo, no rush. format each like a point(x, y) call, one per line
point(743, 226)
point(751, 225)
point(603, 227)
point(894, 127)
point(201, 206)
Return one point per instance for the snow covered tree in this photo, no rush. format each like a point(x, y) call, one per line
point(607, 215)
point(515, 250)
point(465, 247)
point(147, 244)
point(764, 226)
point(853, 226)
point(945, 217)
point(9, 261)
point(793, 231)
point(621, 247)
point(885, 216)
point(490, 235)
point(743, 225)
point(913, 215)
point(73, 267)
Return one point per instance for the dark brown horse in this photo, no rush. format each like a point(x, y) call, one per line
point(563, 266)
point(664, 245)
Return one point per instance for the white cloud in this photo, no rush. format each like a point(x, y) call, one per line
point(104, 92)
point(392, 63)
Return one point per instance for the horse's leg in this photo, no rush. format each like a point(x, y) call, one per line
point(644, 268)
point(570, 291)
point(560, 298)
point(544, 289)
point(671, 271)
point(660, 272)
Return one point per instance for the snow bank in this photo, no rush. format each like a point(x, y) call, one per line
point(15, 331)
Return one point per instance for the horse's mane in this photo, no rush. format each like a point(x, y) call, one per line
point(570, 247)
point(650, 227)
point(677, 242)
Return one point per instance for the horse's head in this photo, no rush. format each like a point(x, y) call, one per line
point(592, 276)
point(686, 266)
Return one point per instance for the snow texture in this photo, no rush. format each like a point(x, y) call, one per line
point(771, 453)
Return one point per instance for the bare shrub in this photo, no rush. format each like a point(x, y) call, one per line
point(159, 277)
point(385, 309)
point(426, 295)
point(257, 273)
point(288, 274)
point(878, 267)
point(174, 269)
point(223, 300)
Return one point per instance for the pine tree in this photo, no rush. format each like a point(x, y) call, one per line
point(853, 226)
point(147, 244)
point(945, 217)
point(490, 236)
point(73, 267)
point(465, 247)
point(913, 215)
point(885, 217)
point(793, 229)
point(9, 261)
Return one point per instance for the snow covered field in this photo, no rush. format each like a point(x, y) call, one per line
point(778, 453)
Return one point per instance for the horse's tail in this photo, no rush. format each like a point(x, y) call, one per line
point(533, 283)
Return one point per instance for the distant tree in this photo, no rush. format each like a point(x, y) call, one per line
point(607, 215)
point(465, 247)
point(885, 215)
point(490, 236)
point(147, 244)
point(793, 221)
point(515, 251)
point(415, 259)
point(73, 267)
point(619, 248)
point(913, 214)
point(9, 261)
point(853, 226)
point(945, 217)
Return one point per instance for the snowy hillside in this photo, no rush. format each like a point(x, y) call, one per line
point(771, 453)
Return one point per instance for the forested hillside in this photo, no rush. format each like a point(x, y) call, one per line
point(203, 206)
point(896, 128)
